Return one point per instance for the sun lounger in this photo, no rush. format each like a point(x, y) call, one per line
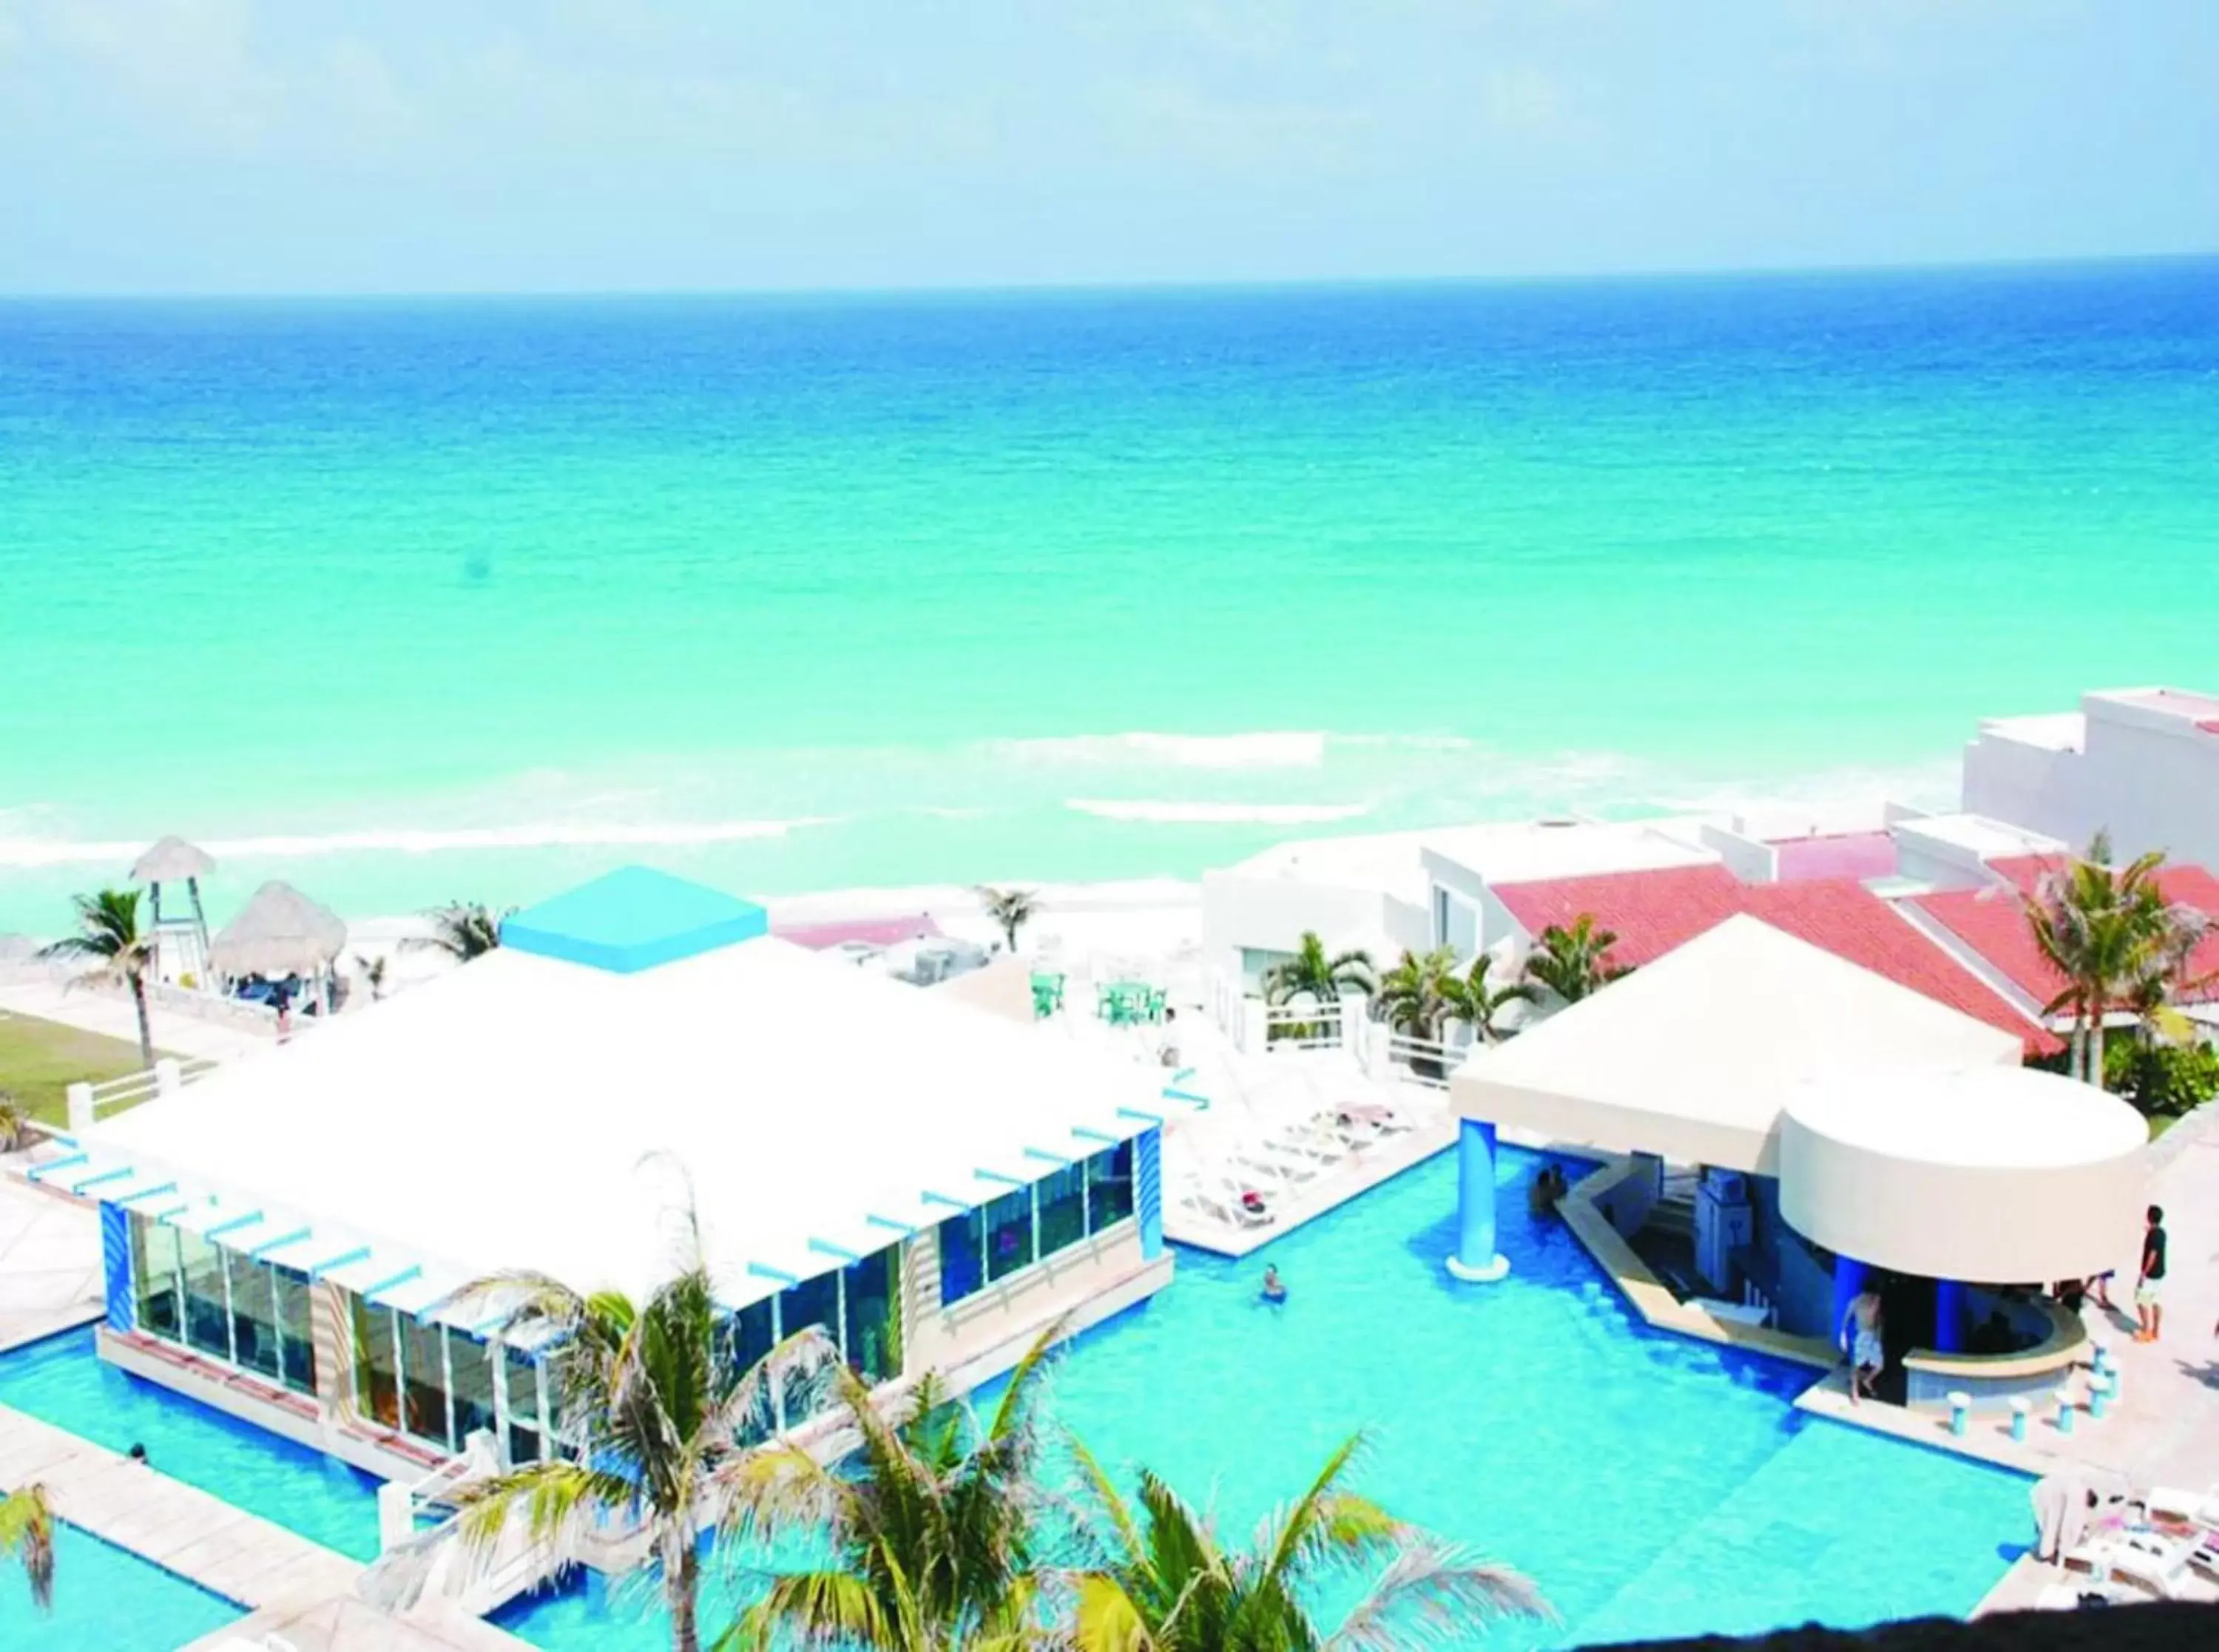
point(2183, 1507)
point(2143, 1558)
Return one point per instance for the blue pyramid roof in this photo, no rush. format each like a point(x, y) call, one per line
point(632, 919)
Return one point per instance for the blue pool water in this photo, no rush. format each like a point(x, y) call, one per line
point(1650, 1485)
point(63, 1381)
point(106, 1599)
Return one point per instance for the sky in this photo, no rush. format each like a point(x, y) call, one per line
point(414, 146)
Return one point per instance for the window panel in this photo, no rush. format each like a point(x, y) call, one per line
point(814, 1301)
point(154, 1277)
point(470, 1366)
point(1062, 1208)
point(1009, 1233)
point(962, 1255)
point(296, 1329)
point(1110, 1187)
point(377, 1380)
point(253, 1315)
point(208, 1317)
point(521, 1380)
point(871, 1331)
point(424, 1382)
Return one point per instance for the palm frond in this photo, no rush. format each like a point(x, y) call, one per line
point(1105, 1618)
point(27, 1532)
point(1433, 1594)
point(828, 1609)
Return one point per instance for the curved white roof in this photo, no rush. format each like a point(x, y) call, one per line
point(1995, 1175)
point(1978, 1118)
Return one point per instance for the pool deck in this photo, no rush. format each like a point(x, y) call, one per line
point(50, 1273)
point(180, 1528)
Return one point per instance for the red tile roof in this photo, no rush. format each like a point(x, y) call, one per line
point(1653, 912)
point(1992, 922)
point(876, 932)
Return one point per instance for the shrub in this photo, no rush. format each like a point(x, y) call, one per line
point(2161, 1079)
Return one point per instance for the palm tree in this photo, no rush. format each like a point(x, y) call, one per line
point(931, 1526)
point(1476, 1004)
point(659, 1412)
point(1416, 996)
point(1011, 909)
point(462, 929)
point(27, 1533)
point(2100, 928)
point(15, 1122)
point(1163, 1582)
point(1322, 975)
point(1573, 963)
point(108, 935)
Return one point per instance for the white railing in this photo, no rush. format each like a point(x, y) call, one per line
point(1427, 1061)
point(88, 1103)
point(1290, 1027)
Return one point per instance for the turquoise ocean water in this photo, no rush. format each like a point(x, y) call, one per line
point(404, 601)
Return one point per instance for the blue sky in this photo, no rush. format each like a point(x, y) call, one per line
point(296, 145)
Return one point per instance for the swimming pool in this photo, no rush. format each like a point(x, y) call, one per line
point(1651, 1485)
point(106, 1598)
point(64, 1381)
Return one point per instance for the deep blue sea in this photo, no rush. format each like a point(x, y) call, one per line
point(404, 601)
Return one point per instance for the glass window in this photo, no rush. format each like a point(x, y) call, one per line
point(207, 1316)
point(1062, 1208)
point(377, 1371)
point(1009, 1233)
point(1110, 1187)
point(296, 1329)
point(814, 1301)
point(521, 1378)
point(962, 1255)
point(253, 1315)
point(872, 1334)
point(423, 1381)
point(470, 1363)
point(154, 1274)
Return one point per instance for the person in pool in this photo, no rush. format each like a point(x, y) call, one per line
point(1275, 1289)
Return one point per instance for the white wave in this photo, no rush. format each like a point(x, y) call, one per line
point(54, 852)
point(1216, 814)
point(1279, 748)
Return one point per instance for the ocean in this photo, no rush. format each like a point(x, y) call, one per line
point(412, 599)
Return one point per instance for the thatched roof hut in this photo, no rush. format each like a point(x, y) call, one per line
point(279, 932)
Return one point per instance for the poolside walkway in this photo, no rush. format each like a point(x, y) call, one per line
point(180, 1528)
point(346, 1624)
point(50, 1272)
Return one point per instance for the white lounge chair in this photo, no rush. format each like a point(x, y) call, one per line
point(2184, 1507)
point(2143, 1558)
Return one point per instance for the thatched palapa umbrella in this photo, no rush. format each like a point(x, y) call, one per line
point(174, 861)
point(280, 932)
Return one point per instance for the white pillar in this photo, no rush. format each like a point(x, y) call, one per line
point(1251, 1038)
point(396, 1516)
point(80, 1107)
point(1355, 1024)
point(168, 1078)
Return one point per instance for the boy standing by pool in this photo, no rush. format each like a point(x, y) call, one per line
point(2149, 1310)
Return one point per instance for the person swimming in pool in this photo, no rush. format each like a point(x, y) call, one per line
point(1275, 1289)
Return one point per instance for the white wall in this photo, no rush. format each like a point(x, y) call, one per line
point(1749, 858)
point(2149, 778)
point(1269, 915)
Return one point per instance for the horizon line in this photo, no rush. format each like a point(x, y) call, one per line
point(1198, 285)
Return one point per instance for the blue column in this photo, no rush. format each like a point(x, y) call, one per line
point(1948, 1317)
point(1848, 1280)
point(115, 1264)
point(1475, 1257)
point(1149, 1191)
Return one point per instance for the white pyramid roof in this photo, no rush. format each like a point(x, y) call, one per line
point(1695, 1055)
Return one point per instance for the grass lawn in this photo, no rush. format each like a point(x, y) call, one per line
point(39, 1059)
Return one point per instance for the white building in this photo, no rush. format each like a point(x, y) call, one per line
point(2140, 763)
point(926, 1181)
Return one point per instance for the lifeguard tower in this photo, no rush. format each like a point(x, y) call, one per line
point(181, 936)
